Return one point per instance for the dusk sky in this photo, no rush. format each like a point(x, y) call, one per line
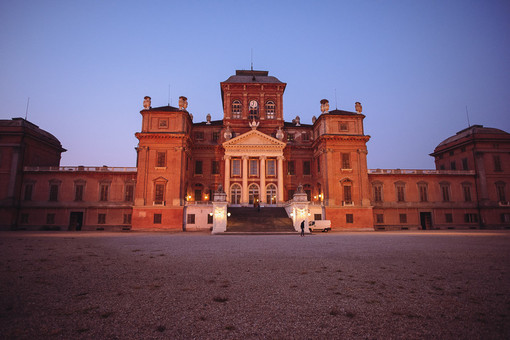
point(414, 65)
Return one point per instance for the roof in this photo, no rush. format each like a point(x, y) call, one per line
point(472, 130)
point(252, 76)
point(341, 112)
point(36, 130)
point(167, 108)
point(212, 123)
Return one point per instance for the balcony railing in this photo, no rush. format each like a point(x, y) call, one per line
point(80, 168)
point(420, 172)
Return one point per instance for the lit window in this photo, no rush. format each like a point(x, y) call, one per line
point(235, 194)
point(270, 109)
point(236, 109)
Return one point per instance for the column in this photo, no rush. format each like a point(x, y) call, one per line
point(227, 177)
point(245, 197)
point(280, 179)
point(262, 194)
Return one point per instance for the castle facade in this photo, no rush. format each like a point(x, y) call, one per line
point(255, 158)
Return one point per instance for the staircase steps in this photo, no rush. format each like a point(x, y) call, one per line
point(267, 220)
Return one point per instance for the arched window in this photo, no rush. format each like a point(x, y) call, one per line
point(254, 110)
point(235, 194)
point(236, 109)
point(271, 194)
point(270, 109)
point(253, 192)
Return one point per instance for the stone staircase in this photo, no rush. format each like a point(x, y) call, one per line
point(250, 220)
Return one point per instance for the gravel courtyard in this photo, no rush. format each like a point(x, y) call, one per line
point(84, 285)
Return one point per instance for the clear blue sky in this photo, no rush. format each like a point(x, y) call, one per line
point(414, 65)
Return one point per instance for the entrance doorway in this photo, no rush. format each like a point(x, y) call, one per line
point(271, 194)
point(426, 220)
point(253, 192)
point(76, 220)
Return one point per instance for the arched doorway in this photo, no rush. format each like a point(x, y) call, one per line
point(271, 194)
point(235, 194)
point(253, 193)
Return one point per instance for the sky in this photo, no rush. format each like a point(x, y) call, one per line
point(419, 68)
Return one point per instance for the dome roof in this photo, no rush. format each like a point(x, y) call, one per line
point(472, 130)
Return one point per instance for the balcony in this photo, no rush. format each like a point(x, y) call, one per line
point(79, 168)
point(419, 172)
point(347, 204)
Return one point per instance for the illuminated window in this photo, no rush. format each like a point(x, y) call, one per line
point(235, 194)
point(270, 109)
point(236, 109)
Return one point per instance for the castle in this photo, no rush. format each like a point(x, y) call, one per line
point(252, 157)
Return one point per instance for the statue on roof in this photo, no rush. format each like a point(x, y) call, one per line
point(183, 103)
point(314, 119)
point(279, 133)
point(254, 125)
point(228, 133)
point(208, 117)
point(297, 120)
point(146, 102)
point(358, 107)
point(324, 105)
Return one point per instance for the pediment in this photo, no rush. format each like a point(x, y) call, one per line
point(254, 139)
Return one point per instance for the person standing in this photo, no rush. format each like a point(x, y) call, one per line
point(303, 228)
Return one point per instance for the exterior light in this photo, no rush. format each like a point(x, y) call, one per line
point(315, 197)
point(206, 197)
point(210, 214)
point(189, 197)
point(309, 214)
point(228, 214)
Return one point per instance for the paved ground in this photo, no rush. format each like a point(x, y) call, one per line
point(448, 285)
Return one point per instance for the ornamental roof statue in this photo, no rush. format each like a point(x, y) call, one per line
point(146, 102)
